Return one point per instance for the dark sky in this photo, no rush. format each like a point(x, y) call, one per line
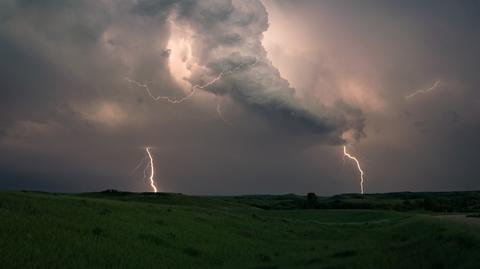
point(279, 88)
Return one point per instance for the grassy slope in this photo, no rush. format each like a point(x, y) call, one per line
point(176, 231)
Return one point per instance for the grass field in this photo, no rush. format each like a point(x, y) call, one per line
point(41, 230)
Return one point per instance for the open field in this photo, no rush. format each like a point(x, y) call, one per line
point(124, 230)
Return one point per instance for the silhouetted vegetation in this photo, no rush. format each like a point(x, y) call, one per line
point(312, 201)
point(402, 201)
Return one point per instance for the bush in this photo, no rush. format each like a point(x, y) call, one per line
point(312, 200)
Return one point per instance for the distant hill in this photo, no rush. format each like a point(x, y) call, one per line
point(458, 201)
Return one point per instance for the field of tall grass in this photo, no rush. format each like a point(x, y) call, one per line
point(41, 230)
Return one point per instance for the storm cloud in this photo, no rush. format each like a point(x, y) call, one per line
point(299, 78)
point(226, 36)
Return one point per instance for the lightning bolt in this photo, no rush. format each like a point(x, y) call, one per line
point(435, 86)
point(145, 173)
point(345, 153)
point(194, 87)
point(138, 165)
point(145, 169)
point(170, 99)
point(150, 164)
point(220, 114)
point(152, 169)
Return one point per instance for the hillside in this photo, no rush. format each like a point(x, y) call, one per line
point(127, 230)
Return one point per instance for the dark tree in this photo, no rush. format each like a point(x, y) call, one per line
point(312, 200)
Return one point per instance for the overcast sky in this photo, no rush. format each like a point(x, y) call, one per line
point(278, 88)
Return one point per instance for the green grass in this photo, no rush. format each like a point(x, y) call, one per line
point(178, 231)
point(332, 216)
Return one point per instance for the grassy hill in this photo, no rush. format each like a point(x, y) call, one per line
point(127, 230)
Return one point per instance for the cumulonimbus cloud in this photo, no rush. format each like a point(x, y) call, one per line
point(227, 35)
point(107, 40)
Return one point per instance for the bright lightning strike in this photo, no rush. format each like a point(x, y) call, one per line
point(435, 86)
point(152, 169)
point(194, 87)
point(170, 99)
point(345, 153)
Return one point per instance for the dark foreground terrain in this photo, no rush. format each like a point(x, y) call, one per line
point(125, 230)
